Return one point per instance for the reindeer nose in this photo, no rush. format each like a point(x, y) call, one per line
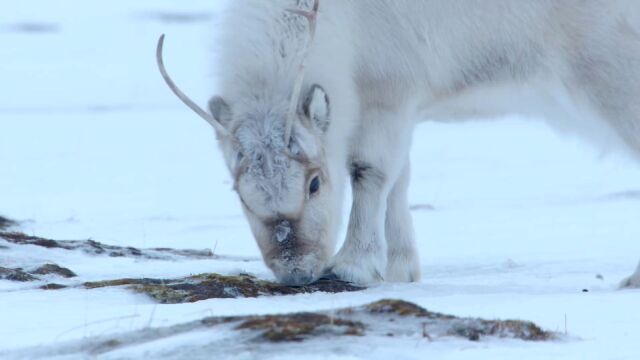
point(297, 277)
point(283, 231)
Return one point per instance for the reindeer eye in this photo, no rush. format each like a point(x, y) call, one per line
point(239, 157)
point(314, 186)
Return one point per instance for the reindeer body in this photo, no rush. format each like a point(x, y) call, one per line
point(381, 66)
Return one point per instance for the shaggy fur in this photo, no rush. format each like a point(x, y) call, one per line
point(382, 66)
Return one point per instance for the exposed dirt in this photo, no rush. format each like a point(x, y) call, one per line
point(472, 329)
point(403, 308)
point(16, 275)
point(53, 286)
point(298, 327)
point(165, 291)
point(389, 318)
point(21, 275)
point(96, 248)
point(209, 286)
point(384, 319)
point(53, 269)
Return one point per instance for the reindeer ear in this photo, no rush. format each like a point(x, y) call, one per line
point(220, 110)
point(316, 107)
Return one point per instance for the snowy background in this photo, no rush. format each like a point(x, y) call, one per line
point(513, 220)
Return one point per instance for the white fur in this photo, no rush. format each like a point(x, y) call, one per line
point(386, 65)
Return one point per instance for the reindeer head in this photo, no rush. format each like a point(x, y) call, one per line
point(284, 186)
point(274, 151)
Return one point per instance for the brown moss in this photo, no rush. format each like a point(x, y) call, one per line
point(471, 329)
point(53, 286)
point(403, 308)
point(111, 283)
point(520, 329)
point(398, 307)
point(164, 294)
point(298, 327)
point(474, 329)
point(24, 239)
point(54, 269)
point(215, 286)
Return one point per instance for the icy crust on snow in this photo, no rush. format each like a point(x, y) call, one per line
point(384, 319)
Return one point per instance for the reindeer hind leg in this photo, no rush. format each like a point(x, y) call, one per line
point(609, 73)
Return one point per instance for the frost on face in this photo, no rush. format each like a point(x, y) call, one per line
point(261, 139)
point(283, 230)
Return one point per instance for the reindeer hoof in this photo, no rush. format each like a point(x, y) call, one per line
point(329, 276)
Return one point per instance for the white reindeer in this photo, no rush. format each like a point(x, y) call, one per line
point(313, 92)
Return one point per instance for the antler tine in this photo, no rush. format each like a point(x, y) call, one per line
point(185, 99)
point(311, 17)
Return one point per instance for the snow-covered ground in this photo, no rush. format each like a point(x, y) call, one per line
point(513, 220)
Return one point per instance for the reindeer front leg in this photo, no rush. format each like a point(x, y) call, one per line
point(377, 160)
point(403, 264)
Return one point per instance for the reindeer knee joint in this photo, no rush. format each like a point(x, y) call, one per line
point(364, 174)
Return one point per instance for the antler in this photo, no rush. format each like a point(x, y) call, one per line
point(185, 99)
point(311, 17)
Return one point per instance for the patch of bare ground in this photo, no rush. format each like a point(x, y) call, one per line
point(16, 275)
point(93, 247)
point(215, 286)
point(22, 275)
point(164, 291)
point(385, 319)
point(472, 329)
point(54, 269)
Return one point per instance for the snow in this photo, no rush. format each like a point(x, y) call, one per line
point(513, 220)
